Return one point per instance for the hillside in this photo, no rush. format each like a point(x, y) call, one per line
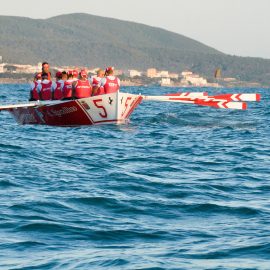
point(82, 39)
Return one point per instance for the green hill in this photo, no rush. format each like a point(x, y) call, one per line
point(82, 39)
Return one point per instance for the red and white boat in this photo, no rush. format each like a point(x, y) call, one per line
point(113, 108)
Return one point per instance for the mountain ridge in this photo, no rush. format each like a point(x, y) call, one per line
point(90, 40)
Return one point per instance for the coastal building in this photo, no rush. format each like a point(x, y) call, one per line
point(118, 72)
point(92, 70)
point(229, 79)
point(151, 73)
point(16, 68)
point(163, 74)
point(2, 68)
point(186, 73)
point(174, 76)
point(189, 78)
point(134, 73)
point(165, 82)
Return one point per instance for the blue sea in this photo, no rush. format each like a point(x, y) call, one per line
point(179, 187)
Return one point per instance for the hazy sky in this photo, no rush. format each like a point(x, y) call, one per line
point(239, 27)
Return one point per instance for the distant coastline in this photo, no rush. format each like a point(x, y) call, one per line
point(126, 83)
point(136, 46)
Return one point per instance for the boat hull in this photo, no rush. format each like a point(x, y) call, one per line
point(113, 108)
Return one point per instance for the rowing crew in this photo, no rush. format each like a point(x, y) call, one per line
point(73, 85)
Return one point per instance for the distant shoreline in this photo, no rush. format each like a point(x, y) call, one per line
point(138, 83)
point(130, 84)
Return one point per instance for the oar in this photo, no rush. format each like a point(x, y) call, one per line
point(168, 98)
point(189, 94)
point(238, 97)
point(30, 104)
point(228, 97)
point(13, 106)
point(222, 104)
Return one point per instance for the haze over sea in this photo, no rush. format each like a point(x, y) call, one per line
point(180, 187)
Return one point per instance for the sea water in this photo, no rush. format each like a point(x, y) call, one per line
point(179, 187)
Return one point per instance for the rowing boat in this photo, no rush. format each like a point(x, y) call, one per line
point(113, 108)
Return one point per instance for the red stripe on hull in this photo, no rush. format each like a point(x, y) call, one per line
point(135, 105)
point(116, 121)
point(62, 114)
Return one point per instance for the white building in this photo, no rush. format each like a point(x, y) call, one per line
point(193, 79)
point(24, 68)
point(196, 80)
point(151, 73)
point(2, 68)
point(163, 74)
point(186, 73)
point(165, 82)
point(133, 73)
point(174, 76)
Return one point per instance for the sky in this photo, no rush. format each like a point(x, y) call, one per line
point(236, 27)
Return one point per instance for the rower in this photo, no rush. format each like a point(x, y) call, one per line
point(67, 89)
point(81, 88)
point(57, 86)
point(64, 77)
point(34, 93)
point(46, 69)
point(95, 80)
point(75, 75)
point(110, 83)
point(45, 88)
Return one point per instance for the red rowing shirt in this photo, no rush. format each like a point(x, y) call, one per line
point(34, 95)
point(111, 84)
point(46, 90)
point(57, 92)
point(67, 89)
point(83, 89)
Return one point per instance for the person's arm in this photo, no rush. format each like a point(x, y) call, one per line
point(95, 89)
point(54, 85)
point(32, 85)
point(39, 90)
point(101, 83)
point(90, 79)
point(74, 88)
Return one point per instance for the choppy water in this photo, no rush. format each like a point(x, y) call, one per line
point(180, 187)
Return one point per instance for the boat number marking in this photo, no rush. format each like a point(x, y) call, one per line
point(126, 105)
point(104, 114)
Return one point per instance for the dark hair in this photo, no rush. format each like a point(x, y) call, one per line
point(45, 63)
point(109, 72)
point(44, 75)
point(64, 72)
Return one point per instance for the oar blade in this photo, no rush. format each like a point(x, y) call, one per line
point(238, 97)
point(222, 104)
